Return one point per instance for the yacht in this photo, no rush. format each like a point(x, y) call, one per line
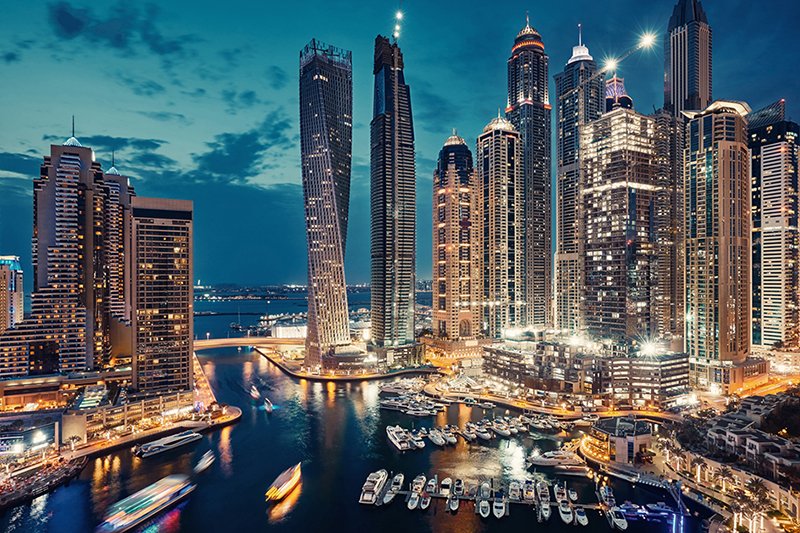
point(484, 509)
point(446, 485)
point(452, 503)
point(501, 429)
point(514, 491)
point(607, 496)
point(432, 484)
point(141, 506)
point(572, 494)
point(372, 487)
point(267, 405)
point(413, 501)
point(659, 507)
point(565, 512)
point(499, 505)
point(529, 491)
point(560, 493)
point(544, 498)
point(419, 412)
point(436, 437)
point(580, 516)
point(416, 441)
point(449, 437)
point(469, 432)
point(483, 432)
point(487, 405)
point(166, 444)
point(284, 483)
point(418, 485)
point(618, 519)
point(397, 436)
point(394, 488)
point(205, 461)
point(424, 501)
point(458, 487)
point(554, 457)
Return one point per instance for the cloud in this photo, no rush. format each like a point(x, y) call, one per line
point(109, 142)
point(239, 100)
point(434, 112)
point(20, 164)
point(277, 77)
point(10, 57)
point(165, 116)
point(142, 87)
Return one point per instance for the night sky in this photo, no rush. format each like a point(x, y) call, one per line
point(199, 99)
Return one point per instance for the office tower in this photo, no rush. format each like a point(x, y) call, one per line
point(392, 205)
point(457, 250)
point(529, 111)
point(618, 227)
point(162, 290)
point(326, 125)
point(499, 164)
point(11, 292)
point(774, 151)
point(687, 59)
point(717, 199)
point(569, 101)
point(616, 95)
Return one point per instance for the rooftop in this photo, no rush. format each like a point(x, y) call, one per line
point(623, 426)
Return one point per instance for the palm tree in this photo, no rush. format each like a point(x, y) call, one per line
point(72, 440)
point(680, 455)
point(739, 506)
point(699, 463)
point(666, 446)
point(724, 474)
point(760, 499)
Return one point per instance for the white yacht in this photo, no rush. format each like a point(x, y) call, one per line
point(554, 457)
point(449, 437)
point(458, 487)
point(418, 485)
point(452, 503)
point(499, 506)
point(483, 432)
point(618, 519)
point(432, 484)
point(544, 498)
point(413, 501)
point(580, 516)
point(396, 486)
point(573, 495)
point(166, 443)
point(607, 496)
point(560, 493)
point(436, 437)
point(514, 492)
point(424, 501)
point(446, 486)
point(501, 429)
point(487, 405)
point(484, 509)
point(529, 491)
point(469, 432)
point(397, 436)
point(373, 487)
point(565, 511)
point(267, 405)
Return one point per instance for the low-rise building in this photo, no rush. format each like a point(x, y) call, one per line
point(617, 440)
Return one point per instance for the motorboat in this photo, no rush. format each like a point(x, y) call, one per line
point(659, 507)
point(458, 487)
point(436, 437)
point(487, 405)
point(254, 394)
point(554, 457)
point(483, 432)
point(446, 486)
point(544, 498)
point(166, 443)
point(469, 433)
point(284, 483)
point(372, 487)
point(417, 442)
point(607, 496)
point(425, 501)
point(397, 436)
point(394, 488)
point(529, 491)
point(419, 412)
point(413, 501)
point(580, 516)
point(560, 493)
point(484, 509)
point(572, 494)
point(205, 461)
point(448, 436)
point(432, 484)
point(514, 491)
point(501, 429)
point(618, 518)
point(565, 511)
point(143, 505)
point(499, 505)
point(452, 503)
point(418, 485)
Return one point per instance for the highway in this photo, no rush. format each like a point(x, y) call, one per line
point(205, 344)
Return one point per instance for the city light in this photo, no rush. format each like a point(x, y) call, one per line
point(648, 40)
point(399, 15)
point(611, 64)
point(649, 349)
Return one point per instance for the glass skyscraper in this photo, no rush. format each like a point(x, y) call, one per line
point(687, 59)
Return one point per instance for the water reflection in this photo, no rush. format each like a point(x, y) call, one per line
point(226, 451)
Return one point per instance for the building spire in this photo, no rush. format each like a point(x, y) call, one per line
point(580, 37)
point(527, 20)
point(73, 125)
point(112, 158)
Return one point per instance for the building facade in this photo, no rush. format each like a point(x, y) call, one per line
point(12, 295)
point(499, 168)
point(717, 200)
point(392, 206)
point(528, 110)
point(326, 125)
point(687, 59)
point(574, 91)
point(618, 194)
point(163, 295)
point(775, 300)
point(457, 250)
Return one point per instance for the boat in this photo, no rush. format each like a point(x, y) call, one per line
point(501, 429)
point(514, 492)
point(573, 495)
point(560, 493)
point(413, 501)
point(139, 507)
point(418, 484)
point(469, 433)
point(394, 488)
point(544, 498)
point(607, 496)
point(555, 457)
point(446, 485)
point(166, 443)
point(419, 412)
point(373, 487)
point(205, 461)
point(484, 509)
point(528, 491)
point(458, 487)
point(448, 436)
point(254, 394)
point(580, 516)
point(284, 483)
point(416, 441)
point(482, 432)
point(617, 518)
point(499, 506)
point(659, 507)
point(397, 436)
point(436, 437)
point(432, 484)
point(565, 512)
point(487, 405)
point(425, 501)
point(267, 404)
point(452, 503)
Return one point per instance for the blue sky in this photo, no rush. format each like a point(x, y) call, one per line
point(199, 99)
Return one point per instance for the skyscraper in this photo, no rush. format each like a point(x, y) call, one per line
point(162, 289)
point(717, 199)
point(392, 206)
point(457, 250)
point(687, 59)
point(529, 111)
point(774, 150)
point(578, 70)
point(326, 125)
point(618, 193)
point(499, 164)
point(11, 292)
point(616, 95)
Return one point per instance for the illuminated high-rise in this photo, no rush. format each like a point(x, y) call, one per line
point(326, 124)
point(11, 292)
point(529, 111)
point(687, 59)
point(392, 206)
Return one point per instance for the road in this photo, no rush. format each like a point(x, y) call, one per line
point(206, 344)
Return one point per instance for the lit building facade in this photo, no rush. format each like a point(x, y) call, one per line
point(499, 167)
point(12, 299)
point(774, 150)
point(326, 125)
point(687, 59)
point(457, 250)
point(717, 200)
point(529, 111)
point(392, 207)
point(579, 69)
point(163, 295)
point(616, 95)
point(618, 194)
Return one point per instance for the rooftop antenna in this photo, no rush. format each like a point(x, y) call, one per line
point(580, 37)
point(112, 158)
point(73, 125)
point(527, 20)
point(455, 132)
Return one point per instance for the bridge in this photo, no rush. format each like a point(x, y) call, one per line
point(206, 344)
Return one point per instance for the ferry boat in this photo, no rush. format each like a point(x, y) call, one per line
point(132, 511)
point(580, 516)
point(373, 487)
point(617, 518)
point(165, 444)
point(284, 483)
point(397, 436)
point(554, 457)
point(565, 512)
point(396, 486)
point(205, 461)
